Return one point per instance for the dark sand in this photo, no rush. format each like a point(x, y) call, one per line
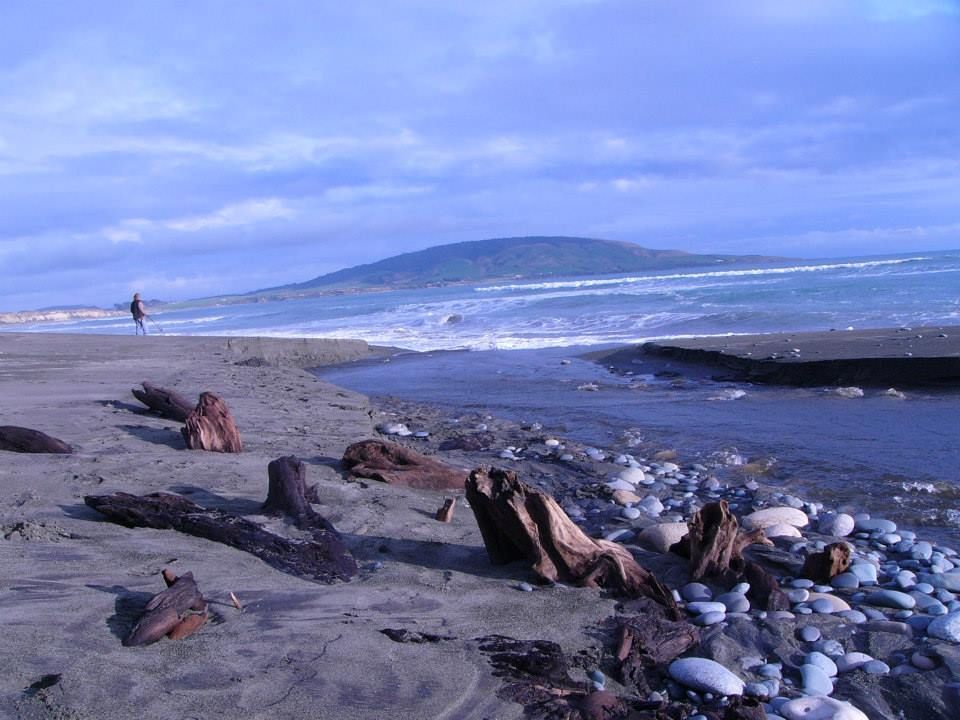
point(898, 357)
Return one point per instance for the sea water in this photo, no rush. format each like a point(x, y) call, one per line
point(515, 349)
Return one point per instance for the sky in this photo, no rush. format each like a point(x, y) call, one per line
point(191, 148)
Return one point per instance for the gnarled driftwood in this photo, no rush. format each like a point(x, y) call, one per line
point(211, 427)
point(164, 402)
point(646, 644)
point(821, 567)
point(27, 440)
point(714, 544)
point(288, 494)
point(398, 465)
point(323, 559)
point(177, 612)
point(518, 522)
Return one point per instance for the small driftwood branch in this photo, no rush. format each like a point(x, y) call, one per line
point(166, 403)
point(445, 513)
point(210, 426)
point(324, 559)
point(27, 440)
point(177, 612)
point(398, 465)
point(519, 522)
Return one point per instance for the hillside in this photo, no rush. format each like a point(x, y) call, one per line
point(496, 259)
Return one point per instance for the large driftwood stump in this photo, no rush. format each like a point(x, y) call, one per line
point(164, 402)
point(323, 559)
point(398, 465)
point(823, 566)
point(714, 544)
point(177, 612)
point(288, 494)
point(210, 426)
point(518, 522)
point(27, 440)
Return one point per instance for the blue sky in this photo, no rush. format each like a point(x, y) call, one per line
point(185, 149)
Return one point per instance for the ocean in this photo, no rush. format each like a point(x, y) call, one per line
point(515, 349)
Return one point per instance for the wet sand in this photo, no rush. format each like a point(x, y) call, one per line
point(895, 356)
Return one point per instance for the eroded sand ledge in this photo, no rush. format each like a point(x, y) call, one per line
point(299, 649)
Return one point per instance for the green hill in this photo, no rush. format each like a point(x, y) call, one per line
point(500, 258)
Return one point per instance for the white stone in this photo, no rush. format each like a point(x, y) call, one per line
point(852, 660)
point(661, 537)
point(632, 475)
point(706, 676)
point(836, 524)
point(620, 485)
point(838, 604)
point(820, 708)
point(775, 516)
point(781, 530)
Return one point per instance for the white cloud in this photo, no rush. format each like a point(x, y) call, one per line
point(244, 213)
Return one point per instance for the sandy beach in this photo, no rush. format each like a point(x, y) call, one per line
point(72, 584)
point(70, 580)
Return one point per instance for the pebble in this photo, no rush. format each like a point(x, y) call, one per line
point(822, 606)
point(854, 616)
point(625, 497)
point(852, 660)
point(819, 708)
point(781, 530)
point(809, 633)
point(815, 680)
point(525, 587)
point(632, 475)
point(774, 516)
point(868, 524)
point(706, 676)
point(615, 484)
point(945, 627)
point(710, 618)
point(922, 661)
point(770, 670)
point(693, 592)
point(705, 606)
point(822, 662)
point(734, 602)
point(651, 505)
point(798, 595)
point(661, 537)
point(891, 599)
point(630, 513)
point(836, 604)
point(836, 524)
point(865, 572)
point(846, 581)
point(876, 667)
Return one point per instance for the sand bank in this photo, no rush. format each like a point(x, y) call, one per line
point(70, 583)
point(895, 356)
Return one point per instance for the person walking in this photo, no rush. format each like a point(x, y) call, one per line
point(139, 313)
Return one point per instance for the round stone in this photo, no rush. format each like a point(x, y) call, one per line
point(865, 572)
point(891, 599)
point(875, 525)
point(815, 680)
point(693, 592)
point(630, 513)
point(634, 476)
point(845, 581)
point(706, 676)
point(945, 627)
point(876, 667)
point(837, 604)
point(836, 525)
point(822, 662)
point(852, 660)
point(809, 633)
point(781, 530)
point(854, 616)
point(774, 516)
point(822, 606)
point(625, 497)
point(709, 618)
point(922, 661)
point(820, 708)
point(734, 602)
point(661, 537)
point(798, 595)
point(705, 606)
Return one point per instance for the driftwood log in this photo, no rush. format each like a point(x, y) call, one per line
point(519, 522)
point(177, 612)
point(646, 644)
point(714, 544)
point(164, 402)
point(823, 566)
point(398, 465)
point(288, 494)
point(211, 427)
point(27, 440)
point(323, 559)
